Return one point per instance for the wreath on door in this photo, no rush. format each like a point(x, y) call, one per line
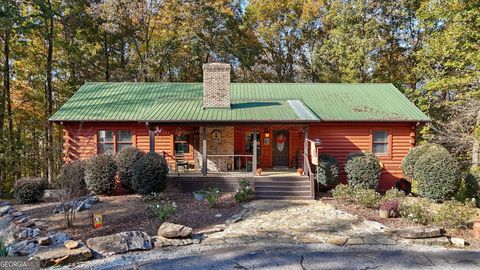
point(280, 139)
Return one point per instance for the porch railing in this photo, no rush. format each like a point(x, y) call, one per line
point(237, 164)
point(310, 175)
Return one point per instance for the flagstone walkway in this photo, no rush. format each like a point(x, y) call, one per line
point(301, 222)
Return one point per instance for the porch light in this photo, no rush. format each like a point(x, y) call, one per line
point(318, 142)
point(267, 135)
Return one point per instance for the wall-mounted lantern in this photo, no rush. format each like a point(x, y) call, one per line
point(318, 142)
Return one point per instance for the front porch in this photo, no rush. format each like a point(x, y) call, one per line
point(200, 157)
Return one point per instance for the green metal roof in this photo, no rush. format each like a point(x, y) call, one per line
point(250, 102)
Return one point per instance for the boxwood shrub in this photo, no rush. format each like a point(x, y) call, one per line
point(408, 162)
point(125, 160)
point(437, 173)
point(363, 170)
point(29, 190)
point(327, 170)
point(100, 172)
point(149, 173)
point(72, 177)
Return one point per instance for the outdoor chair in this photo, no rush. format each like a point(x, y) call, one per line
point(180, 161)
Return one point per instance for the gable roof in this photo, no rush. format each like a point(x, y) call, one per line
point(182, 102)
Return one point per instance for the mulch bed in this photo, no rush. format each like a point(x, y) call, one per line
point(394, 223)
point(127, 213)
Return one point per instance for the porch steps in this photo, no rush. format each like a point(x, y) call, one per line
point(282, 187)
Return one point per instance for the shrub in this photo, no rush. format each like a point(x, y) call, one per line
point(343, 192)
point(393, 194)
point(363, 170)
point(100, 172)
point(72, 177)
point(244, 192)
point(437, 174)
point(125, 160)
point(469, 187)
point(408, 162)
point(213, 197)
point(392, 207)
point(416, 212)
point(149, 173)
point(366, 197)
point(327, 170)
point(29, 190)
point(454, 214)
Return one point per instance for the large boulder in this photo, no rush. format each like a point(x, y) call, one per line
point(120, 243)
point(5, 210)
point(420, 232)
point(61, 255)
point(171, 230)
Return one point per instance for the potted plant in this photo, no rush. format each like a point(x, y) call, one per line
point(389, 209)
point(199, 195)
point(300, 171)
point(259, 172)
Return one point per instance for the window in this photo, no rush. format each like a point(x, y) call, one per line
point(106, 142)
point(110, 141)
point(181, 143)
point(249, 143)
point(124, 139)
point(380, 142)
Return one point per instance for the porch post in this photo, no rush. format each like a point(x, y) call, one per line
point(254, 162)
point(204, 150)
point(151, 137)
point(305, 151)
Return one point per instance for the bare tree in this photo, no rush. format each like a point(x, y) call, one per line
point(461, 132)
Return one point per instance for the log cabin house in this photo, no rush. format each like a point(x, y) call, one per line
point(215, 132)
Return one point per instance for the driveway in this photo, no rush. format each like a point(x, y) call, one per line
point(288, 256)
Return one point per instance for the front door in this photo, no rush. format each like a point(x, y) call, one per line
point(280, 148)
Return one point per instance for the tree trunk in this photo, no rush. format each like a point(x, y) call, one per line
point(5, 99)
point(476, 142)
point(49, 95)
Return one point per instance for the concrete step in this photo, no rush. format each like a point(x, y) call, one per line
point(281, 197)
point(259, 189)
point(282, 193)
point(280, 178)
point(282, 183)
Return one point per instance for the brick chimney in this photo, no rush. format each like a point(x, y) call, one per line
point(216, 85)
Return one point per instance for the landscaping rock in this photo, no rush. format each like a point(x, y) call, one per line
point(354, 241)
point(61, 255)
point(420, 232)
point(4, 210)
point(22, 248)
point(71, 244)
point(210, 231)
point(171, 230)
point(338, 241)
point(160, 241)
point(44, 241)
point(436, 241)
point(120, 243)
point(58, 239)
point(458, 242)
point(79, 204)
point(28, 233)
point(234, 218)
point(5, 223)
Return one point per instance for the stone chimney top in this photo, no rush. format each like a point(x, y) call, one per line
point(216, 85)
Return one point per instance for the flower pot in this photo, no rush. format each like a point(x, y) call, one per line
point(384, 214)
point(199, 196)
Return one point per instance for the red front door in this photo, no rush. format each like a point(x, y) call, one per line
point(280, 148)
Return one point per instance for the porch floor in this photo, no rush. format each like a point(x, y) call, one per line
point(271, 173)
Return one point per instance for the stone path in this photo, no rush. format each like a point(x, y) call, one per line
point(300, 222)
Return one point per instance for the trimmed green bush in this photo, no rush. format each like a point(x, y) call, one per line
point(29, 190)
point(72, 177)
point(100, 172)
point(437, 173)
point(368, 198)
point(363, 170)
point(149, 174)
point(408, 162)
point(125, 160)
point(244, 192)
point(327, 170)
